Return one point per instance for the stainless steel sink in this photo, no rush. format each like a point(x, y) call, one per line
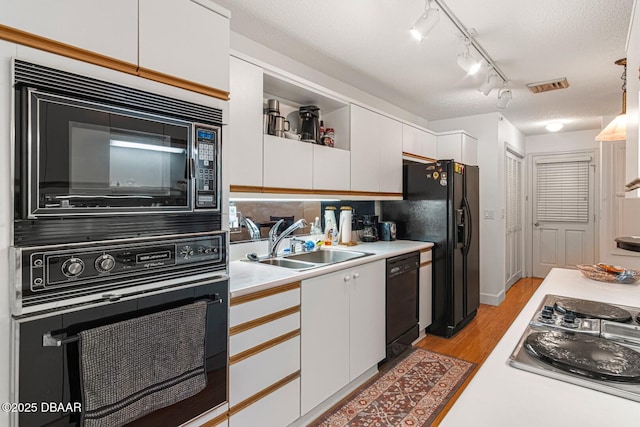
point(327, 256)
point(286, 263)
point(307, 260)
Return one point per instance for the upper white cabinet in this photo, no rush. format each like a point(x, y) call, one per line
point(458, 146)
point(185, 39)
point(287, 163)
point(376, 152)
point(109, 28)
point(245, 115)
point(418, 143)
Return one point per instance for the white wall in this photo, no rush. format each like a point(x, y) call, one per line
point(7, 50)
point(633, 101)
point(493, 132)
point(562, 141)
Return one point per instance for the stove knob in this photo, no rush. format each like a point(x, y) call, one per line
point(73, 267)
point(105, 263)
point(570, 317)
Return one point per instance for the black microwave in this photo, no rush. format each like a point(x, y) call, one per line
point(88, 151)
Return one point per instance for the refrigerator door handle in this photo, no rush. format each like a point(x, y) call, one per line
point(468, 226)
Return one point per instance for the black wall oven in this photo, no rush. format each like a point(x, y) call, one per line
point(63, 291)
point(97, 160)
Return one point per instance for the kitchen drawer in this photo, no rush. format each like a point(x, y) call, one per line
point(263, 369)
point(262, 303)
point(252, 337)
point(276, 409)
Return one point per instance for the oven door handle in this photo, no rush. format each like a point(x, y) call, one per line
point(50, 340)
point(192, 168)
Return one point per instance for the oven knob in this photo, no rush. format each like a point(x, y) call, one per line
point(73, 267)
point(105, 263)
point(186, 252)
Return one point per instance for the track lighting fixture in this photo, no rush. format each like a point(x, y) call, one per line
point(468, 62)
point(504, 98)
point(426, 22)
point(492, 82)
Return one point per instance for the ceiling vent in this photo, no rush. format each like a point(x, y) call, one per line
point(548, 85)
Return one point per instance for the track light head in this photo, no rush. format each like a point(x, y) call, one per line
point(426, 22)
point(492, 82)
point(469, 63)
point(504, 98)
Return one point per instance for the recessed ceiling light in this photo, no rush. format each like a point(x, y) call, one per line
point(554, 126)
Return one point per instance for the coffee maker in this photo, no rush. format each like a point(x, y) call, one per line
point(369, 228)
point(309, 124)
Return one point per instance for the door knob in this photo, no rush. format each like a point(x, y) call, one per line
point(537, 224)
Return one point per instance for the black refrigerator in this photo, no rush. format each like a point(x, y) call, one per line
point(441, 206)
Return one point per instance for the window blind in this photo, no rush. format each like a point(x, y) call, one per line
point(563, 191)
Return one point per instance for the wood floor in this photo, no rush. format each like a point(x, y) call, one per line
point(480, 336)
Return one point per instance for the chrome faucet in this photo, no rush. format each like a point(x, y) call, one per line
point(274, 240)
point(252, 227)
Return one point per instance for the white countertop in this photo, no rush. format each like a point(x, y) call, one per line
point(248, 277)
point(501, 395)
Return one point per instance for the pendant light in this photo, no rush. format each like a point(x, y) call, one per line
point(426, 22)
point(617, 129)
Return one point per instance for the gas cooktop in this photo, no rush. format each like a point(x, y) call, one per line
point(587, 343)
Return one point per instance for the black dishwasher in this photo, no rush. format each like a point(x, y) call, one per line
point(401, 303)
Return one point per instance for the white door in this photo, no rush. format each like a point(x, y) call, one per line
point(513, 209)
point(563, 211)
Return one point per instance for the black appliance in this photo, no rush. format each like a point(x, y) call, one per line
point(309, 125)
point(90, 153)
point(61, 290)
point(583, 342)
point(401, 303)
point(369, 228)
point(441, 206)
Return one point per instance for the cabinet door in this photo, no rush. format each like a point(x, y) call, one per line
point(425, 296)
point(469, 150)
point(287, 163)
point(365, 149)
point(390, 160)
point(325, 338)
point(331, 168)
point(410, 139)
point(245, 130)
point(428, 145)
point(449, 147)
point(109, 28)
point(184, 39)
point(366, 317)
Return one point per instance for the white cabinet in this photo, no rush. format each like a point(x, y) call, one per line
point(390, 160)
point(418, 144)
point(264, 357)
point(245, 116)
point(185, 39)
point(331, 168)
point(343, 329)
point(458, 146)
point(425, 291)
point(109, 28)
point(376, 152)
point(287, 163)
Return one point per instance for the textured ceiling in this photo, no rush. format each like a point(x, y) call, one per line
point(366, 44)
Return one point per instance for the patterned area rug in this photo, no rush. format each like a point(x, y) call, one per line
point(411, 393)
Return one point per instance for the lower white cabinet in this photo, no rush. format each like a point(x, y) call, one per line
point(343, 329)
point(264, 357)
point(425, 290)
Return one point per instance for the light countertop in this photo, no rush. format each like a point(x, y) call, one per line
point(501, 395)
point(248, 277)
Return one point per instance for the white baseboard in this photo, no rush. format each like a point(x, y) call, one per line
point(491, 299)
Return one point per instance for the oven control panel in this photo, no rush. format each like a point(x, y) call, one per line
point(83, 265)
